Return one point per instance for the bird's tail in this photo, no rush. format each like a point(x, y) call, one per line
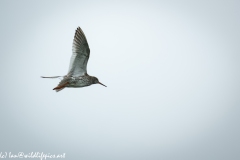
point(60, 86)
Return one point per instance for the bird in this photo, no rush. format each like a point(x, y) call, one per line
point(77, 75)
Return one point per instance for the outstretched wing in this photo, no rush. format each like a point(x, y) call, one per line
point(80, 54)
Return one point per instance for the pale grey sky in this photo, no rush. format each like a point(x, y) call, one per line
point(171, 67)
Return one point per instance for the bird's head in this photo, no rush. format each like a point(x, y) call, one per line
point(96, 81)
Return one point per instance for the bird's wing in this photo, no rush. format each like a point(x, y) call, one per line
point(80, 54)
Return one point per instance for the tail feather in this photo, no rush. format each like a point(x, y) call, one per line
point(60, 87)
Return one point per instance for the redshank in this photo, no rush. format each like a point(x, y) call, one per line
point(77, 74)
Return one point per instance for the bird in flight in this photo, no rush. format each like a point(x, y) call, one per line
point(77, 74)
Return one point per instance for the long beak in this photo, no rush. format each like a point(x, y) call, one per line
point(102, 84)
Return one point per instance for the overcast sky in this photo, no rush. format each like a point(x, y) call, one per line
point(171, 67)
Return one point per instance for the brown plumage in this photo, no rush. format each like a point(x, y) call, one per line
point(77, 74)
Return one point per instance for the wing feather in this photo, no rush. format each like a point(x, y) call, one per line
point(80, 54)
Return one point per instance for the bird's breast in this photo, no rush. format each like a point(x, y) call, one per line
point(79, 82)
